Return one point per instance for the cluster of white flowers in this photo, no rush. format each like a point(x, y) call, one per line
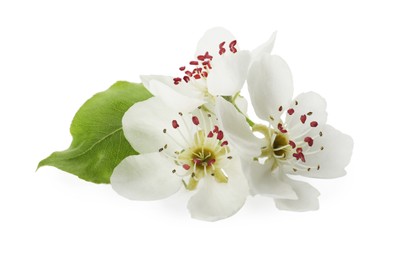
point(194, 133)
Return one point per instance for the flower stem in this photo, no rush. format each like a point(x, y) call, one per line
point(232, 100)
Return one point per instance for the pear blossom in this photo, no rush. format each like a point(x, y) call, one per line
point(295, 141)
point(219, 68)
point(180, 149)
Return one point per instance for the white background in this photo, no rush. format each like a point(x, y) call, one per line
point(54, 55)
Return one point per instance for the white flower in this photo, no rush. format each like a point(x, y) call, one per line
point(219, 69)
point(180, 149)
point(297, 140)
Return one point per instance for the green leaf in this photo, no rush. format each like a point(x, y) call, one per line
point(98, 144)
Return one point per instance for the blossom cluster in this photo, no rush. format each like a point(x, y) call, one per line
point(195, 134)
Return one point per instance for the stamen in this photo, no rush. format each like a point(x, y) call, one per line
point(186, 166)
point(290, 111)
point(207, 56)
point(221, 48)
point(216, 129)
point(292, 144)
point(220, 135)
point(232, 46)
point(309, 140)
point(303, 118)
point(194, 63)
point(195, 120)
point(182, 68)
point(224, 143)
point(314, 124)
point(281, 128)
point(175, 124)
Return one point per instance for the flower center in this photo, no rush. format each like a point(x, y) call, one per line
point(205, 151)
point(281, 145)
point(203, 157)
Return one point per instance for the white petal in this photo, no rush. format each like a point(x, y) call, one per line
point(335, 156)
point(215, 201)
point(143, 126)
point(264, 48)
point(307, 197)
point(310, 106)
point(237, 131)
point(263, 181)
point(184, 96)
point(228, 73)
point(145, 177)
point(270, 86)
point(242, 104)
point(211, 39)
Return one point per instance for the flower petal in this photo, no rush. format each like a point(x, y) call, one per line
point(145, 177)
point(182, 97)
point(211, 40)
point(270, 86)
point(237, 130)
point(308, 108)
point(264, 48)
point(331, 151)
point(144, 124)
point(215, 201)
point(242, 104)
point(228, 73)
point(307, 197)
point(263, 181)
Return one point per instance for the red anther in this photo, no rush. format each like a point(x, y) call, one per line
point(175, 124)
point(299, 150)
point(199, 70)
point(210, 134)
point(207, 64)
point(197, 161)
point(290, 111)
point(197, 76)
point(177, 79)
point(210, 162)
point(195, 120)
point(309, 140)
point(221, 45)
point(186, 79)
point(186, 166)
point(220, 135)
point(292, 144)
point(280, 108)
point(176, 82)
point(188, 73)
point(314, 124)
point(303, 118)
point(182, 68)
point(224, 143)
point(194, 62)
point(281, 128)
point(299, 156)
point(201, 57)
point(232, 46)
point(204, 74)
point(216, 129)
point(207, 56)
point(221, 51)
